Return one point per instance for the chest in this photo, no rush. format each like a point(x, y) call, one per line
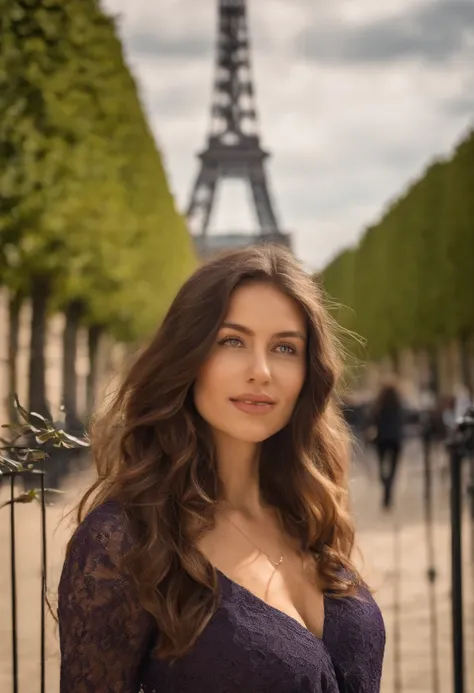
point(290, 588)
point(248, 646)
point(251, 646)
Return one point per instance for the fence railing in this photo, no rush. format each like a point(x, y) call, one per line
point(461, 449)
point(37, 452)
point(14, 476)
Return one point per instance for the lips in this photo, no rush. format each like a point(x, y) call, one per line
point(253, 399)
point(253, 404)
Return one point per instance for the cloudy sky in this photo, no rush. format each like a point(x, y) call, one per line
point(355, 97)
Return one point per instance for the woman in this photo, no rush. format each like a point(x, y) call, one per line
point(215, 556)
point(388, 419)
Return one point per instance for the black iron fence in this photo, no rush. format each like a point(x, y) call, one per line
point(458, 441)
point(34, 459)
point(461, 449)
point(13, 477)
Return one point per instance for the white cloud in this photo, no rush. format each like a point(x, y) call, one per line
point(345, 136)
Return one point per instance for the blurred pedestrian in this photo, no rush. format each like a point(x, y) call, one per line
point(387, 420)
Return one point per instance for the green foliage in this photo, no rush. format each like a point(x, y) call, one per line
point(458, 243)
point(410, 280)
point(83, 194)
point(338, 281)
point(434, 273)
point(19, 458)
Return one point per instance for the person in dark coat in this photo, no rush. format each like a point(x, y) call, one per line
point(387, 419)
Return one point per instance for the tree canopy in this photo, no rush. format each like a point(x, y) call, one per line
point(409, 282)
point(84, 200)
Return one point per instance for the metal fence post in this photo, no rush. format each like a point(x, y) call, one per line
point(14, 476)
point(460, 447)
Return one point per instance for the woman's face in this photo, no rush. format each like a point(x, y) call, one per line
point(248, 386)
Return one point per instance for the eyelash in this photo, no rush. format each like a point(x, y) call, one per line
point(225, 342)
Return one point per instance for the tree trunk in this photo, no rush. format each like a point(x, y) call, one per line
point(14, 308)
point(37, 364)
point(69, 394)
point(95, 332)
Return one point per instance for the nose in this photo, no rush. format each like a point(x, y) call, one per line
point(259, 367)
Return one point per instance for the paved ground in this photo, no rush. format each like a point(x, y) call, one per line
point(395, 563)
point(395, 552)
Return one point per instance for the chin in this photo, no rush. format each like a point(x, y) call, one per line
point(252, 439)
point(249, 436)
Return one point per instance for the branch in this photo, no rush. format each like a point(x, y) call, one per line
point(21, 458)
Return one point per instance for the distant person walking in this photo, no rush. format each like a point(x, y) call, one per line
point(387, 419)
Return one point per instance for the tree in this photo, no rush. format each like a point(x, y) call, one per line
point(87, 221)
point(459, 249)
point(411, 273)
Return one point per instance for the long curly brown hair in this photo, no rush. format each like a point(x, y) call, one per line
point(154, 453)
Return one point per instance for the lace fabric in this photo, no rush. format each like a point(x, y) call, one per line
point(104, 632)
point(107, 638)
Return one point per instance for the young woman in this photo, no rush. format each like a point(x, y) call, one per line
point(215, 554)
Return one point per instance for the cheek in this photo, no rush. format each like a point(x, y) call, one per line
point(210, 384)
point(293, 383)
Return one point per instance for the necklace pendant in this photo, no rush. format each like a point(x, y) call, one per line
point(278, 563)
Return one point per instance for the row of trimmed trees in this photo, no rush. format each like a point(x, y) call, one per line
point(409, 283)
point(88, 225)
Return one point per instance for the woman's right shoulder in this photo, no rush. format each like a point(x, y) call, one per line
point(107, 525)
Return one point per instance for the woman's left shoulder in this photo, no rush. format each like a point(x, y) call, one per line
point(359, 608)
point(359, 587)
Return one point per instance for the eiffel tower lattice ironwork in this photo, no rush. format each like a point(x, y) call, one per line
point(233, 149)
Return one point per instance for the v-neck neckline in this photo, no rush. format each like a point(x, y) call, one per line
point(275, 609)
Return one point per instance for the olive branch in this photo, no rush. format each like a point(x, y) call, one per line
point(17, 457)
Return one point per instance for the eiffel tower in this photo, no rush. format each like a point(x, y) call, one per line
point(233, 148)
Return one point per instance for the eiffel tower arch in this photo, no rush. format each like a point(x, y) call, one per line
point(233, 148)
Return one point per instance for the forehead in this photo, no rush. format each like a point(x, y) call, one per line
point(263, 306)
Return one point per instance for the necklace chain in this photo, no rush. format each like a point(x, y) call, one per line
point(276, 564)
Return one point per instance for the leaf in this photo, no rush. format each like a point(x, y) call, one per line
point(27, 497)
point(79, 442)
point(37, 455)
point(8, 460)
point(41, 418)
point(46, 436)
point(23, 412)
point(30, 455)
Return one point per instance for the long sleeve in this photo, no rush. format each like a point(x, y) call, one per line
point(104, 633)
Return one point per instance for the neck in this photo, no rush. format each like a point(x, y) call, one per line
point(238, 471)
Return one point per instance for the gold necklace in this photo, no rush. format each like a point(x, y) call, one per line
point(275, 565)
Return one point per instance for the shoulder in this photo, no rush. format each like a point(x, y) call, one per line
point(358, 610)
point(107, 527)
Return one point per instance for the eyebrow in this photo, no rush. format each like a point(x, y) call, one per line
point(246, 330)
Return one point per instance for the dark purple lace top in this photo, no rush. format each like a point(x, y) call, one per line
point(247, 647)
